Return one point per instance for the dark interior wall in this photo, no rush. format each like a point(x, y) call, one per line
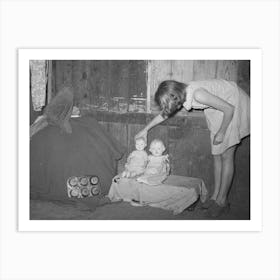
point(115, 92)
point(186, 140)
point(243, 78)
point(188, 145)
point(105, 85)
point(129, 85)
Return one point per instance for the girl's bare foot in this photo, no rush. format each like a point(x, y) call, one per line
point(218, 210)
point(208, 204)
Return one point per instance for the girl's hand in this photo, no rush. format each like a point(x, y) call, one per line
point(141, 134)
point(218, 138)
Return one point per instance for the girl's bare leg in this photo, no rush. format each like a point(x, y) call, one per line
point(217, 176)
point(227, 175)
point(217, 182)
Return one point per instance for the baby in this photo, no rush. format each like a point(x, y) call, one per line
point(137, 160)
point(157, 168)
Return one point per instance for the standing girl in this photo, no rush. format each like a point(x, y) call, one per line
point(227, 111)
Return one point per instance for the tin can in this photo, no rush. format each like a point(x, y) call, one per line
point(83, 186)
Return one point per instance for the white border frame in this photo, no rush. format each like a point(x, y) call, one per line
point(254, 224)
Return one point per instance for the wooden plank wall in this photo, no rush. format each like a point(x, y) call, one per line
point(112, 90)
point(187, 70)
point(105, 85)
point(187, 140)
point(129, 85)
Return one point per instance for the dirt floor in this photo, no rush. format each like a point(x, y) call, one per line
point(44, 210)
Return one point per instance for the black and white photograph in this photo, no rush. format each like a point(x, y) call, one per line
point(139, 139)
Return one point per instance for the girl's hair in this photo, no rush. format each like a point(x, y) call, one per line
point(170, 97)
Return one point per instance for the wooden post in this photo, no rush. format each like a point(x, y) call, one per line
point(148, 82)
point(49, 93)
point(160, 70)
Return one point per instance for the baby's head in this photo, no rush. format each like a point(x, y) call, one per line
point(157, 147)
point(140, 144)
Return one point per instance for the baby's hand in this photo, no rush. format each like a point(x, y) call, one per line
point(218, 138)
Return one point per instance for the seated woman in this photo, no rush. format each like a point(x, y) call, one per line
point(62, 147)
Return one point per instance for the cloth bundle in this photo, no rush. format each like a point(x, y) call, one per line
point(57, 112)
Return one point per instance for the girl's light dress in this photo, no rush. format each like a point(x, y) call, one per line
point(239, 127)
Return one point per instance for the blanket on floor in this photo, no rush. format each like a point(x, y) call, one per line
point(176, 193)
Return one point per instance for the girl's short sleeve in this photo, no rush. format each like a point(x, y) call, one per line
point(190, 102)
point(189, 97)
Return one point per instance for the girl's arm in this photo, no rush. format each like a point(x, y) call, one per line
point(205, 97)
point(155, 121)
